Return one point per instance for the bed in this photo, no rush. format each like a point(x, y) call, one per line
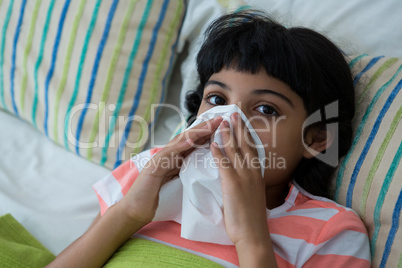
point(84, 85)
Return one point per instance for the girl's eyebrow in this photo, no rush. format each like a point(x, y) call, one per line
point(256, 91)
point(269, 91)
point(220, 84)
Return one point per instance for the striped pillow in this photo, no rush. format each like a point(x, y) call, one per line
point(369, 178)
point(87, 73)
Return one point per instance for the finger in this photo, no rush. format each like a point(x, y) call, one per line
point(243, 136)
point(202, 132)
point(180, 147)
point(223, 162)
point(185, 142)
point(229, 143)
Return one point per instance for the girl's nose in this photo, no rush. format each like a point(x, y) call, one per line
point(239, 104)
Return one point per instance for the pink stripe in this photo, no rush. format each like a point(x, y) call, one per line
point(120, 172)
point(129, 179)
point(155, 150)
point(281, 262)
point(297, 227)
point(169, 232)
point(303, 202)
point(125, 174)
point(347, 220)
point(334, 261)
point(102, 204)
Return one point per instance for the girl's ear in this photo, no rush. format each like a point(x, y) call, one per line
point(317, 140)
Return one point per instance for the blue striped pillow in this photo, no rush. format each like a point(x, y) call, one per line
point(88, 74)
point(369, 178)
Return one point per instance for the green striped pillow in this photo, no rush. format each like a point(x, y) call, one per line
point(87, 73)
point(369, 178)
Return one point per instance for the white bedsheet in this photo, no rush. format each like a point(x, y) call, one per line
point(48, 189)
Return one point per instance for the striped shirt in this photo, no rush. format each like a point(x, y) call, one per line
point(306, 230)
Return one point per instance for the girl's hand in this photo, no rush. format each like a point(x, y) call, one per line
point(138, 206)
point(141, 200)
point(243, 190)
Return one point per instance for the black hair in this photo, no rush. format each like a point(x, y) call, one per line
point(309, 63)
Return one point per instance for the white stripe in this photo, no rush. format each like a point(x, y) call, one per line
point(141, 159)
point(342, 245)
point(289, 203)
point(206, 256)
point(294, 251)
point(109, 189)
point(320, 198)
point(316, 213)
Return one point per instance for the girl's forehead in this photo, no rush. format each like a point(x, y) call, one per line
point(230, 79)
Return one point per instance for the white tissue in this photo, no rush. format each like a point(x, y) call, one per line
point(194, 199)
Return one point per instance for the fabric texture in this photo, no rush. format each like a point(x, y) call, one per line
point(145, 253)
point(88, 74)
point(353, 27)
point(18, 248)
point(305, 230)
point(369, 179)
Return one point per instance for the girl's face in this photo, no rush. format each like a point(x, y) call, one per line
point(275, 111)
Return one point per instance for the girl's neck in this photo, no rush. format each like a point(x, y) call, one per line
point(276, 195)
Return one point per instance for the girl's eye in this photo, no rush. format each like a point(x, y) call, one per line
point(267, 110)
point(216, 100)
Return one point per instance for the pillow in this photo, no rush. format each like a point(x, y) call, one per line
point(88, 74)
point(369, 179)
point(359, 26)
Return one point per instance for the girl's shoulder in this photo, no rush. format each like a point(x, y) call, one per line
point(322, 229)
point(303, 204)
point(317, 211)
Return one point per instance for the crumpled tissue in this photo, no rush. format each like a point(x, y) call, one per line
point(194, 199)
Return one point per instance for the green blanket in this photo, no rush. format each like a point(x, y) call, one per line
point(18, 248)
point(143, 253)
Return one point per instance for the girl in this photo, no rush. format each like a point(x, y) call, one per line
point(277, 76)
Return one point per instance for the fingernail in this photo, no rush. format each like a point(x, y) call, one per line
point(216, 118)
point(225, 123)
point(235, 116)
